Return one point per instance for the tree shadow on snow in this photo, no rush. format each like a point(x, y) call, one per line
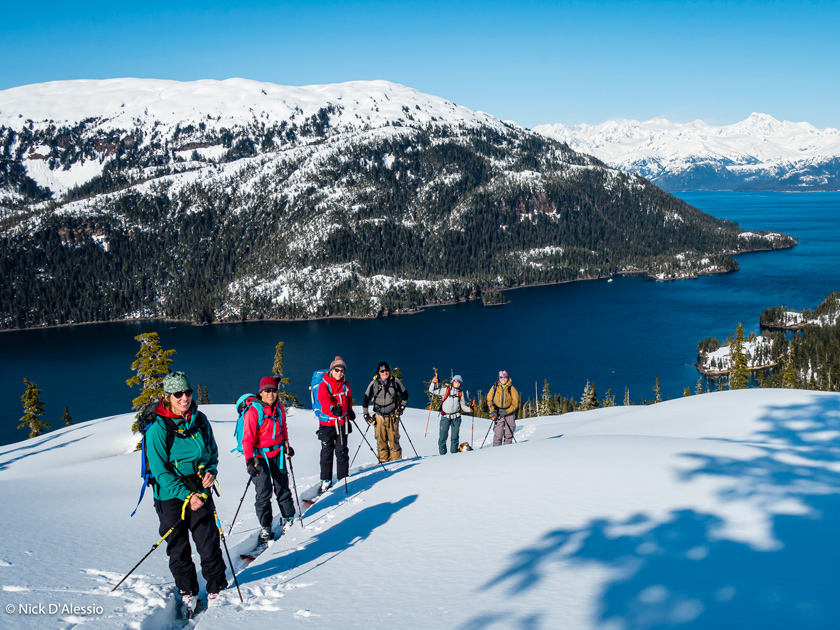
point(331, 541)
point(683, 572)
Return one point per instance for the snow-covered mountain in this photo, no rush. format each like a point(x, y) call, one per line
point(713, 511)
point(759, 153)
point(232, 200)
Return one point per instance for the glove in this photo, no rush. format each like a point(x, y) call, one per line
point(252, 467)
point(402, 409)
point(351, 414)
point(335, 410)
point(349, 426)
point(435, 379)
point(290, 451)
point(369, 419)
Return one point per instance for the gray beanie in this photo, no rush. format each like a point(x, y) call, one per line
point(175, 382)
point(337, 362)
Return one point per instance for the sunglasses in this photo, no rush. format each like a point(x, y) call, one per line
point(338, 370)
point(270, 390)
point(187, 392)
point(384, 371)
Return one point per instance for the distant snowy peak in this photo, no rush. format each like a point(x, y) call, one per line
point(759, 152)
point(118, 103)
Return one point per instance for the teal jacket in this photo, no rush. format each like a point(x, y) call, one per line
point(189, 455)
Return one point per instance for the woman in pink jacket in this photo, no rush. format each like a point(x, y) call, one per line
point(336, 402)
point(264, 438)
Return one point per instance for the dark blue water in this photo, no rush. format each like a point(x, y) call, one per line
point(622, 333)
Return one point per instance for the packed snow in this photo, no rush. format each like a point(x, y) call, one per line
point(713, 511)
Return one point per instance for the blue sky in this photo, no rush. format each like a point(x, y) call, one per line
point(532, 62)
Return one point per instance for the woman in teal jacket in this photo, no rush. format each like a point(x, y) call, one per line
point(183, 458)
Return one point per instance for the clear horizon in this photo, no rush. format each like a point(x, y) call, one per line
point(532, 62)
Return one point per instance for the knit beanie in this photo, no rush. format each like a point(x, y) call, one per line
point(383, 364)
point(338, 362)
point(175, 382)
point(267, 382)
point(458, 378)
point(503, 374)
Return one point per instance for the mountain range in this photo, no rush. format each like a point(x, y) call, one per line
point(759, 153)
point(232, 200)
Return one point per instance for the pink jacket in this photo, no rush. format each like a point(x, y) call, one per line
point(335, 393)
point(272, 434)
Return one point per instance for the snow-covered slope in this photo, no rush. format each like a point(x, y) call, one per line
point(758, 152)
point(714, 511)
point(154, 106)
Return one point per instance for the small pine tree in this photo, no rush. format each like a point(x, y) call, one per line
point(626, 396)
point(789, 372)
point(66, 417)
point(287, 399)
point(738, 378)
point(609, 399)
point(686, 392)
point(546, 406)
point(657, 392)
point(698, 389)
point(33, 410)
point(151, 365)
point(203, 395)
point(589, 399)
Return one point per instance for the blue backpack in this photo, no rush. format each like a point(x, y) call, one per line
point(245, 402)
point(317, 381)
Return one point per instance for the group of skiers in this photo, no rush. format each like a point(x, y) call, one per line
point(183, 457)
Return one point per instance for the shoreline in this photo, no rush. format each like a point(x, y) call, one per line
point(412, 311)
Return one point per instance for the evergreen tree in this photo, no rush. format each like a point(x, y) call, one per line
point(626, 396)
point(33, 410)
point(203, 395)
point(686, 392)
point(698, 389)
point(589, 399)
point(789, 372)
point(738, 378)
point(657, 392)
point(287, 399)
point(66, 417)
point(151, 365)
point(609, 399)
point(546, 406)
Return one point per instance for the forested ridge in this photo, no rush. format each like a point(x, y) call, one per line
point(301, 218)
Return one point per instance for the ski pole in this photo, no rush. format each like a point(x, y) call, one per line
point(224, 542)
point(247, 485)
point(294, 485)
point(488, 433)
point(472, 430)
point(402, 424)
point(148, 553)
point(430, 410)
point(369, 446)
point(359, 447)
point(341, 436)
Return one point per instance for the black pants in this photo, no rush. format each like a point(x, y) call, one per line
point(205, 535)
point(271, 475)
point(333, 441)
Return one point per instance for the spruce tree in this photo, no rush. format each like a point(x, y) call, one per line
point(789, 372)
point(203, 395)
point(151, 365)
point(609, 399)
point(546, 406)
point(698, 389)
point(738, 378)
point(33, 410)
point(657, 392)
point(287, 399)
point(589, 399)
point(626, 396)
point(66, 417)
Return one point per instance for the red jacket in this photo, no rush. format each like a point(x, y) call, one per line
point(335, 393)
point(272, 433)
